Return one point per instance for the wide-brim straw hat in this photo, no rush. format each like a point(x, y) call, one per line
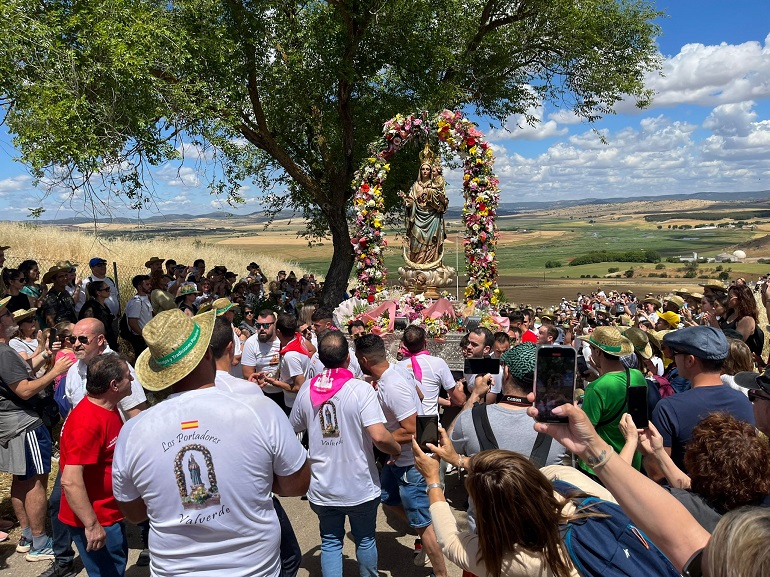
point(676, 299)
point(152, 260)
point(683, 292)
point(67, 264)
point(654, 301)
point(4, 302)
point(222, 306)
point(609, 340)
point(695, 295)
point(23, 314)
point(656, 338)
point(188, 288)
point(176, 344)
point(640, 340)
point(718, 287)
point(50, 276)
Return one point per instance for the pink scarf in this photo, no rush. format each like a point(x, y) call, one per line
point(415, 365)
point(324, 386)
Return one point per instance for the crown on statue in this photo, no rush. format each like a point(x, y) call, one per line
point(427, 156)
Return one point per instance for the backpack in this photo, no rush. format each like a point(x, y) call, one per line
point(611, 545)
point(488, 441)
point(123, 329)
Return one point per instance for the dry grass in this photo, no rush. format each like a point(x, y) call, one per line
point(47, 245)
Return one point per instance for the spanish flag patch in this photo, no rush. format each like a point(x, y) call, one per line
point(189, 425)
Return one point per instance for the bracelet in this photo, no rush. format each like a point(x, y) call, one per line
point(461, 461)
point(433, 486)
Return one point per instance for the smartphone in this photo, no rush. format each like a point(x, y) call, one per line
point(427, 431)
point(637, 406)
point(482, 366)
point(555, 372)
point(51, 338)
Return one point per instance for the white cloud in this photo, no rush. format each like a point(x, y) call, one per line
point(183, 176)
point(517, 128)
point(190, 151)
point(15, 184)
point(711, 75)
point(731, 119)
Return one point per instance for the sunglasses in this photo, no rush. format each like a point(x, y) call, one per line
point(82, 339)
point(753, 396)
point(249, 313)
point(101, 290)
point(264, 325)
point(21, 279)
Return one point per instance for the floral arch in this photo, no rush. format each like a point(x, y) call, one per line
point(479, 210)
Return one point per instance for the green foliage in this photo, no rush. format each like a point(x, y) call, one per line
point(692, 273)
point(552, 264)
point(660, 266)
point(719, 267)
point(629, 273)
point(608, 256)
point(724, 275)
point(613, 269)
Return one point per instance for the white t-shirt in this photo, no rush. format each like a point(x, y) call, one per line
point(203, 463)
point(292, 365)
point(263, 357)
point(113, 301)
point(75, 387)
point(399, 400)
point(353, 365)
point(435, 374)
point(139, 307)
point(227, 382)
point(342, 466)
point(314, 367)
point(497, 385)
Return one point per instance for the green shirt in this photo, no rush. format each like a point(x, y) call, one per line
point(604, 398)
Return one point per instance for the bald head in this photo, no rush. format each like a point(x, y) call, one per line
point(93, 326)
point(90, 341)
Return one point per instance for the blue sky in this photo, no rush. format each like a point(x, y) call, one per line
point(707, 130)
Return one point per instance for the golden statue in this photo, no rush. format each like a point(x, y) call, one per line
point(426, 204)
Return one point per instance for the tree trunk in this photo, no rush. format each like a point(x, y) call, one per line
point(338, 275)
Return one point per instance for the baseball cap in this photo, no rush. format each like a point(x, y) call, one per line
point(96, 261)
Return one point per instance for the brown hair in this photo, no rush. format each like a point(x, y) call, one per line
point(499, 479)
point(728, 463)
point(739, 358)
point(747, 305)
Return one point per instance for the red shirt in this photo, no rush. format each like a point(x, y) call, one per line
point(88, 438)
point(528, 337)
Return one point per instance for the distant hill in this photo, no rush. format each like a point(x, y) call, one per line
point(454, 212)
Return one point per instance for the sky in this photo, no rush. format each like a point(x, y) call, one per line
point(707, 130)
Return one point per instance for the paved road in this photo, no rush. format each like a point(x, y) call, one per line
point(394, 543)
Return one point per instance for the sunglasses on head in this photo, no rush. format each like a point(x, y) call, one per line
point(264, 325)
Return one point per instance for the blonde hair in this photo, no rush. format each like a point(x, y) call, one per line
point(739, 358)
point(738, 545)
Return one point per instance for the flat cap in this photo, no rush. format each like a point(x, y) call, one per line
point(701, 342)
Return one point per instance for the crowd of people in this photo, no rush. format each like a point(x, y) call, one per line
point(270, 399)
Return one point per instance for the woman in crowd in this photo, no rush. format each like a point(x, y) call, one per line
point(14, 282)
point(188, 294)
point(517, 535)
point(160, 298)
point(64, 335)
point(742, 317)
point(35, 291)
point(28, 341)
point(248, 324)
point(739, 359)
point(74, 284)
point(96, 307)
point(713, 307)
point(738, 545)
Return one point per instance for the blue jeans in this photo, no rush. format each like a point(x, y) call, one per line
point(363, 521)
point(291, 554)
point(406, 487)
point(62, 539)
point(110, 560)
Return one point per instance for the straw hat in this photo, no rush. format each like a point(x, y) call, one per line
point(67, 264)
point(188, 288)
point(4, 302)
point(222, 306)
point(676, 299)
point(654, 301)
point(609, 340)
point(204, 309)
point(671, 318)
point(175, 346)
point(683, 292)
point(696, 296)
point(50, 276)
point(23, 314)
point(656, 338)
point(716, 287)
point(624, 320)
point(640, 340)
point(152, 260)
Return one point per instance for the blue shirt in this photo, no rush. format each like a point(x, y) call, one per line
point(676, 416)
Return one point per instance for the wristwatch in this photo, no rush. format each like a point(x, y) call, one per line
point(433, 486)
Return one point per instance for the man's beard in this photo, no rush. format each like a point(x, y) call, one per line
point(263, 337)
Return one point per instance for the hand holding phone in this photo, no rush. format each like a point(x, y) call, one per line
point(427, 431)
point(555, 377)
point(51, 338)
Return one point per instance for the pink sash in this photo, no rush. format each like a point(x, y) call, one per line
point(415, 365)
point(324, 386)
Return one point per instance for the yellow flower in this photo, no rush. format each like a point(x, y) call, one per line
point(472, 151)
point(490, 154)
point(377, 223)
point(466, 178)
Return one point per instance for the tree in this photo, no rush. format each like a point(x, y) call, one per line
point(288, 94)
